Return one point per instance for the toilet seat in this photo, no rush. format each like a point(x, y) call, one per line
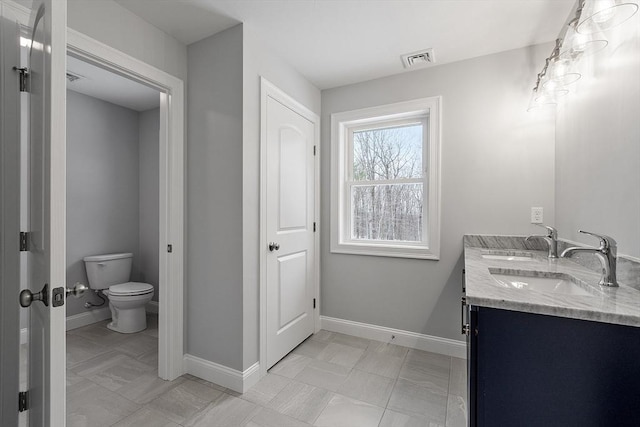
point(130, 289)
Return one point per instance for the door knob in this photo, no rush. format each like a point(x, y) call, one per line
point(273, 246)
point(27, 297)
point(77, 290)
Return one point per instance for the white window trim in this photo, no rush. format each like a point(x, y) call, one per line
point(341, 124)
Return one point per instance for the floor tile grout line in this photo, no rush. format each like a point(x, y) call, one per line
point(395, 381)
point(323, 408)
point(107, 350)
point(331, 394)
point(446, 411)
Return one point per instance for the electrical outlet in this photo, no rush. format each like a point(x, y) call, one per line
point(536, 216)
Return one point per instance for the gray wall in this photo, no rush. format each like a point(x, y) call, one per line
point(121, 29)
point(260, 60)
point(224, 191)
point(598, 146)
point(118, 27)
point(102, 185)
point(214, 194)
point(104, 204)
point(149, 198)
point(497, 162)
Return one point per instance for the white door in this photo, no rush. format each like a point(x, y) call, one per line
point(290, 198)
point(46, 225)
point(9, 218)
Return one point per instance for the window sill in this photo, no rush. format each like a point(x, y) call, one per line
point(411, 252)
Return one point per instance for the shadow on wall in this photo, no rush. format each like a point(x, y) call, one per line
point(452, 291)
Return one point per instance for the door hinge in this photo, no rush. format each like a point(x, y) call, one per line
point(314, 303)
point(314, 227)
point(314, 150)
point(23, 401)
point(169, 248)
point(24, 241)
point(24, 78)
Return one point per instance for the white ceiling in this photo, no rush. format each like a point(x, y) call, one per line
point(108, 86)
point(338, 42)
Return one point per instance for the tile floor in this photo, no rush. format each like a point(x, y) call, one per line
point(331, 380)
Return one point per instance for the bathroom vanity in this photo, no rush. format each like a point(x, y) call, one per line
point(547, 346)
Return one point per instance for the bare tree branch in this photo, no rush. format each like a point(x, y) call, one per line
point(387, 211)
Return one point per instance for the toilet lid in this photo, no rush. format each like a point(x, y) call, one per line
point(130, 288)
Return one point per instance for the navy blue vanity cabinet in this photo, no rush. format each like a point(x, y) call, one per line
point(535, 370)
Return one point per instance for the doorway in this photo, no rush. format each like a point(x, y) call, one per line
point(48, 377)
point(170, 184)
point(289, 219)
point(113, 128)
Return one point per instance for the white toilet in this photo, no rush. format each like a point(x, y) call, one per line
point(110, 275)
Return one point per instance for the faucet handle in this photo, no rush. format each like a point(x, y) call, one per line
point(606, 242)
point(551, 232)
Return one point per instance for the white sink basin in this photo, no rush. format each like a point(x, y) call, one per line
point(559, 283)
point(507, 257)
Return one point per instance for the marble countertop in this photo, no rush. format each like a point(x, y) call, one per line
point(619, 305)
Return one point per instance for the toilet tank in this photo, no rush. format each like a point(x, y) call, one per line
point(106, 270)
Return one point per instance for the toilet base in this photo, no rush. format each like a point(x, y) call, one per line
point(114, 327)
point(127, 321)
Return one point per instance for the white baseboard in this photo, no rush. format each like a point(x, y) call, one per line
point(76, 321)
point(235, 380)
point(430, 343)
point(100, 314)
point(88, 317)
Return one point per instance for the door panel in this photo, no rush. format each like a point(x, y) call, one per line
point(37, 259)
point(289, 222)
point(292, 297)
point(46, 224)
point(293, 185)
point(9, 218)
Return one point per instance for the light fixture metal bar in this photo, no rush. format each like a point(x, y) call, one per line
point(555, 53)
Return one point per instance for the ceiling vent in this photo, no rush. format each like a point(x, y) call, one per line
point(418, 59)
point(72, 77)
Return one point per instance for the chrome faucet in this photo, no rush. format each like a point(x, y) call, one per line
point(551, 238)
point(606, 253)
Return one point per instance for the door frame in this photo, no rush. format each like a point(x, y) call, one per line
point(172, 173)
point(269, 90)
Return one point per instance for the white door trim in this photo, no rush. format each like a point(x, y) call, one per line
point(55, 409)
point(268, 89)
point(172, 170)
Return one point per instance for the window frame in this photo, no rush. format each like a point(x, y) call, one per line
point(343, 125)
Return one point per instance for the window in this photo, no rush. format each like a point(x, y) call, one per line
point(385, 180)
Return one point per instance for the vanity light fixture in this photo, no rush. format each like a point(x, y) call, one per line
point(547, 91)
point(579, 38)
point(599, 15)
point(577, 45)
point(561, 73)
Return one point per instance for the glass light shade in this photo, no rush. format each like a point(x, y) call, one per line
point(561, 72)
point(538, 106)
point(599, 15)
point(551, 96)
point(545, 99)
point(578, 45)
